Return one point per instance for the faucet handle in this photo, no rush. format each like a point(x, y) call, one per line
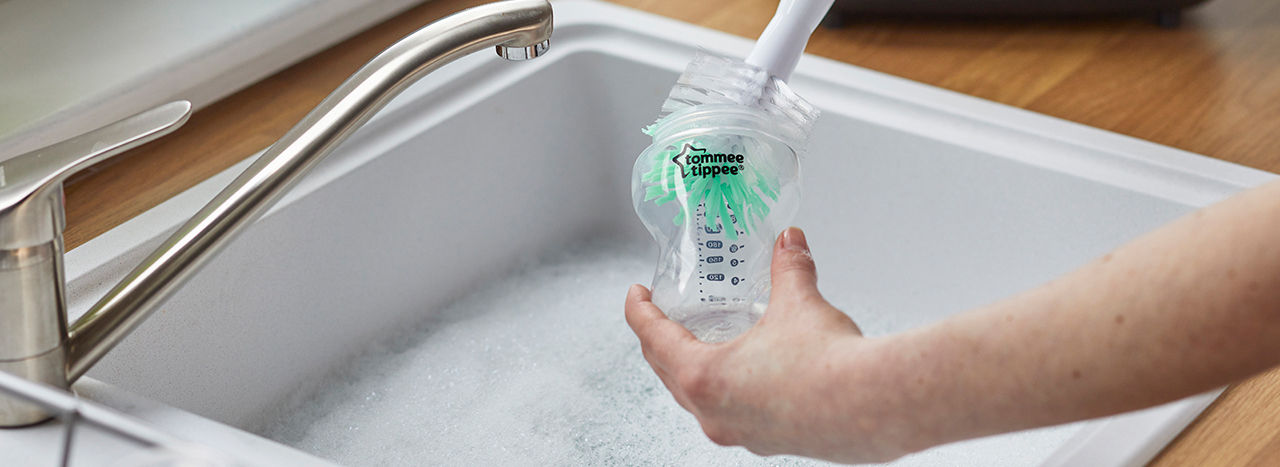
point(28, 181)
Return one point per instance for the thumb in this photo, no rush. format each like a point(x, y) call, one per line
point(793, 274)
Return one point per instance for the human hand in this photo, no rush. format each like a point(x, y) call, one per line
point(1183, 309)
point(795, 383)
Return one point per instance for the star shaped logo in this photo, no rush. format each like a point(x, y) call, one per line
point(688, 150)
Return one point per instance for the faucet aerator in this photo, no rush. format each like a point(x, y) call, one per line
point(518, 53)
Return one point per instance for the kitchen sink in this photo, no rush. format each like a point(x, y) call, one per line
point(447, 286)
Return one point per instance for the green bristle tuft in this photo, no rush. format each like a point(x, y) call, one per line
point(725, 197)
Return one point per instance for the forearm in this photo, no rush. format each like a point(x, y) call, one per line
point(1191, 306)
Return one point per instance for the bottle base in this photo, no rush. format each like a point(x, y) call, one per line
point(720, 325)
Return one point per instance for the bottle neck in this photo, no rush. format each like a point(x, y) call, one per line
point(727, 119)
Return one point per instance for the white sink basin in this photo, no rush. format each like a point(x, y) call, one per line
point(919, 203)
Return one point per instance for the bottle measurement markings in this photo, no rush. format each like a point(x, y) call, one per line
point(711, 238)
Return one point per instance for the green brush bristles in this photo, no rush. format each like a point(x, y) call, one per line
point(734, 198)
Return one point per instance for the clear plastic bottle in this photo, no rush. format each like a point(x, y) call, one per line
point(719, 182)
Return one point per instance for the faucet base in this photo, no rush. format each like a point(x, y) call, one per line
point(48, 368)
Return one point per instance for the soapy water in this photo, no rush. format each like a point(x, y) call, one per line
point(539, 368)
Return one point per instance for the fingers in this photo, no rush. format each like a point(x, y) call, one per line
point(793, 273)
point(664, 341)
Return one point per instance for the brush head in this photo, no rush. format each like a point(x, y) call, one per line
point(722, 109)
point(711, 80)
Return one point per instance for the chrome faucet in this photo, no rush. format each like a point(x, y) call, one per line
point(35, 341)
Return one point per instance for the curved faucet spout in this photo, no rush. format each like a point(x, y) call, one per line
point(519, 29)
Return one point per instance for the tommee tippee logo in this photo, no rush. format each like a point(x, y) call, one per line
point(694, 161)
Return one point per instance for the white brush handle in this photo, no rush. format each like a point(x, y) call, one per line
point(783, 40)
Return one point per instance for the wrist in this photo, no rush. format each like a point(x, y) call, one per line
point(905, 390)
point(882, 396)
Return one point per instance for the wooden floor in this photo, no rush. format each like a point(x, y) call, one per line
point(1211, 87)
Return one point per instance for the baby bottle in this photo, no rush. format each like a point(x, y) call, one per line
point(719, 182)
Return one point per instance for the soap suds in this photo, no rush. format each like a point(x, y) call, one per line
point(540, 368)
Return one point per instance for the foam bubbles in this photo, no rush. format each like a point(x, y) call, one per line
point(539, 368)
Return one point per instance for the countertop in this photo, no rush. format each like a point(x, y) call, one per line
point(1211, 86)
